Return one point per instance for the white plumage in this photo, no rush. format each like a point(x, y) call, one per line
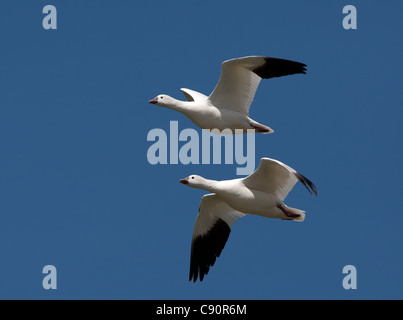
point(228, 105)
point(262, 193)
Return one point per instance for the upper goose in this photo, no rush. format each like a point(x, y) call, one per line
point(227, 107)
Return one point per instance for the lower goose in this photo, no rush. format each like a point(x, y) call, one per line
point(262, 193)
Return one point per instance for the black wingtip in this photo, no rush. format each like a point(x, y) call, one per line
point(307, 183)
point(275, 67)
point(206, 248)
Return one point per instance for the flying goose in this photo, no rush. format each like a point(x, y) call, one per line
point(227, 107)
point(262, 193)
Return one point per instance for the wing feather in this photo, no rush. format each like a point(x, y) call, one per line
point(273, 176)
point(210, 234)
point(192, 95)
point(240, 79)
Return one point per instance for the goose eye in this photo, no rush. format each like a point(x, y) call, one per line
point(193, 177)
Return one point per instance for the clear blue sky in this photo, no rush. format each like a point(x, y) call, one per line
point(77, 191)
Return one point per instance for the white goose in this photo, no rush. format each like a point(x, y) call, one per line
point(227, 107)
point(262, 193)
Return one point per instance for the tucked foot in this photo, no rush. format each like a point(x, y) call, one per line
point(287, 212)
point(260, 127)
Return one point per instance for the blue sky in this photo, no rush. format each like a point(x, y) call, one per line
point(77, 191)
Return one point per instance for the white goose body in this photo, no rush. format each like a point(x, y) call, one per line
point(206, 116)
point(262, 193)
point(228, 105)
point(212, 118)
point(244, 199)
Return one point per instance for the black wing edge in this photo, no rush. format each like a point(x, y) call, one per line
point(307, 183)
point(275, 67)
point(206, 248)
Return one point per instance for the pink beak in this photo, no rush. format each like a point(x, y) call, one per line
point(153, 101)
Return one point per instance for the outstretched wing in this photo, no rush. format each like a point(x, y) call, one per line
point(210, 234)
point(273, 176)
point(240, 78)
